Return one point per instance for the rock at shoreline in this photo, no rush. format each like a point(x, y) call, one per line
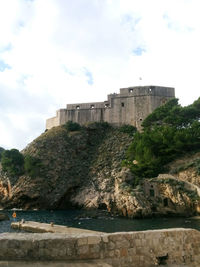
point(4, 217)
point(83, 169)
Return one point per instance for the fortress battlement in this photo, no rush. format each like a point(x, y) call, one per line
point(131, 106)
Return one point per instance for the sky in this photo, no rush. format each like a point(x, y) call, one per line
point(57, 52)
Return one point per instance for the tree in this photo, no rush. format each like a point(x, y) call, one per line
point(72, 126)
point(1, 151)
point(129, 129)
point(170, 131)
point(12, 162)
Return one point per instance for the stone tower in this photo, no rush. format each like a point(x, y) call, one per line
point(131, 106)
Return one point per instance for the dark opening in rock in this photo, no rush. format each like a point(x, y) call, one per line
point(162, 260)
point(152, 193)
point(165, 202)
point(102, 206)
point(154, 209)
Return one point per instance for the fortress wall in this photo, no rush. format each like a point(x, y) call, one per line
point(85, 105)
point(134, 91)
point(122, 111)
point(85, 115)
point(131, 106)
point(62, 116)
point(52, 122)
point(164, 91)
point(158, 100)
point(107, 114)
point(115, 111)
point(147, 90)
point(177, 247)
point(142, 104)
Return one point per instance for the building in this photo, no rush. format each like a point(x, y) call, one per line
point(131, 106)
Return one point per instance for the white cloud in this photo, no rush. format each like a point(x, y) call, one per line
point(62, 52)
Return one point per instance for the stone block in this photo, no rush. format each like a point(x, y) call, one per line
point(139, 250)
point(124, 243)
point(136, 260)
point(14, 244)
point(111, 253)
point(123, 252)
point(138, 242)
point(94, 248)
point(111, 245)
point(105, 239)
point(117, 253)
point(82, 241)
point(131, 251)
point(156, 242)
point(94, 240)
point(70, 251)
point(83, 250)
point(144, 242)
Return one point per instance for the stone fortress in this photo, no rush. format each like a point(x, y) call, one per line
point(131, 106)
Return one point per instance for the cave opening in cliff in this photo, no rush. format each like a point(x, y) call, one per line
point(102, 206)
point(65, 201)
point(165, 202)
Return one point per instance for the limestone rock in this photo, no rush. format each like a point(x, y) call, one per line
point(83, 169)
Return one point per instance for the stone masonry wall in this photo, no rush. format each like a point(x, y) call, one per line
point(131, 106)
point(145, 248)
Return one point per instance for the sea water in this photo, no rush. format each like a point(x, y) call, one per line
point(98, 221)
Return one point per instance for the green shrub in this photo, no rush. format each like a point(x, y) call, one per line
point(72, 126)
point(98, 125)
point(12, 162)
point(1, 151)
point(32, 166)
point(129, 129)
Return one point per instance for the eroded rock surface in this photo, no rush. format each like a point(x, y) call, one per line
point(83, 169)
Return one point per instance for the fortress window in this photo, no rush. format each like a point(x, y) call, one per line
point(122, 104)
point(130, 90)
point(106, 106)
point(140, 119)
point(77, 107)
point(92, 106)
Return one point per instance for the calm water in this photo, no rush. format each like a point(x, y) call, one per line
point(100, 222)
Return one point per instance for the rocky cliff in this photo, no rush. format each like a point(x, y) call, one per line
point(83, 169)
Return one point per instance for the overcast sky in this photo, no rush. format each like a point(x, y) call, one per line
point(54, 52)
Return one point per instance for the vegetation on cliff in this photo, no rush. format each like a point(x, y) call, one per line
point(81, 166)
point(168, 133)
point(15, 163)
point(1, 151)
point(65, 159)
point(12, 162)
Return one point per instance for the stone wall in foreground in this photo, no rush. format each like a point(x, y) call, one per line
point(147, 248)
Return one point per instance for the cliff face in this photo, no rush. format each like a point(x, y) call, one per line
point(83, 169)
point(70, 161)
